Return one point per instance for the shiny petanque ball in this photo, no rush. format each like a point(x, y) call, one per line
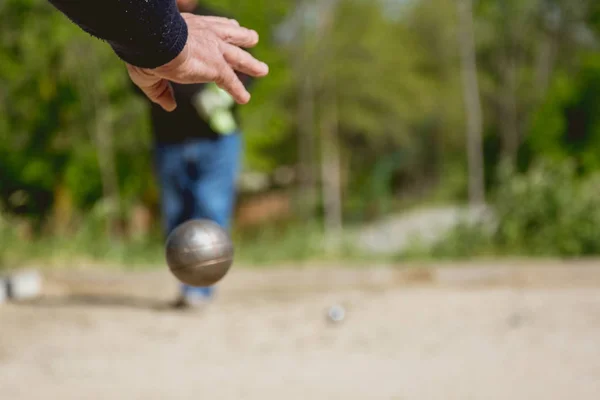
point(199, 252)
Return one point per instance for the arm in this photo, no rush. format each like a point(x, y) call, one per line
point(143, 33)
point(160, 45)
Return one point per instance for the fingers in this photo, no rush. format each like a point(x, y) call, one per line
point(226, 29)
point(243, 62)
point(162, 94)
point(236, 35)
point(221, 20)
point(213, 53)
point(166, 98)
point(230, 82)
point(197, 19)
point(158, 90)
point(237, 59)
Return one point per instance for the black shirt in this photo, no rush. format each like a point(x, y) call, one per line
point(185, 122)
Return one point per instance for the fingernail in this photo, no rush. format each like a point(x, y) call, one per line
point(170, 106)
point(245, 98)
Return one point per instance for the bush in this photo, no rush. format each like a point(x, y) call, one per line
point(548, 211)
point(566, 126)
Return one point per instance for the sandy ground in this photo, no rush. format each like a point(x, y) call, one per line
point(447, 334)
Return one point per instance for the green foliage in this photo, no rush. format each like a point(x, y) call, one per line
point(548, 211)
point(567, 125)
point(293, 242)
point(57, 84)
point(268, 119)
point(393, 71)
point(397, 96)
point(558, 213)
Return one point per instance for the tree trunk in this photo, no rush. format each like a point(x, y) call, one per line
point(101, 132)
point(509, 124)
point(306, 147)
point(330, 151)
point(544, 64)
point(62, 210)
point(548, 48)
point(107, 166)
point(472, 103)
point(331, 175)
point(307, 183)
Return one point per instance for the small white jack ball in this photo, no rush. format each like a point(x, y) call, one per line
point(336, 313)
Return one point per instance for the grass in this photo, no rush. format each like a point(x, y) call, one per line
point(267, 247)
point(66, 252)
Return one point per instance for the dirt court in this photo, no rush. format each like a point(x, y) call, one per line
point(450, 333)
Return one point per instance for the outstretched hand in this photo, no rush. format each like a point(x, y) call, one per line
point(213, 53)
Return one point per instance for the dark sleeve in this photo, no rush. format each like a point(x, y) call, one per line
point(144, 33)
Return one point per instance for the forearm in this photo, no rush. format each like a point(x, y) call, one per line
point(144, 33)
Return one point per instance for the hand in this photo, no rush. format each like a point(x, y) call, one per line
point(213, 53)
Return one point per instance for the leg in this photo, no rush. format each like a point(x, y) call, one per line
point(212, 169)
point(171, 179)
point(177, 201)
point(216, 189)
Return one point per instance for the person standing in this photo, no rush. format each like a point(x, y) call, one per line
point(187, 66)
point(197, 154)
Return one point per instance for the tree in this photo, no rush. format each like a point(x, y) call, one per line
point(472, 103)
point(329, 129)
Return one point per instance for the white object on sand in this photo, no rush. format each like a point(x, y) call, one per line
point(24, 285)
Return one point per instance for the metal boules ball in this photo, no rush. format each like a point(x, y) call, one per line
point(199, 252)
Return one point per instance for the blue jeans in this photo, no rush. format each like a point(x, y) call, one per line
point(197, 180)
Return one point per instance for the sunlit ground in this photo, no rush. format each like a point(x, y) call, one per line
point(483, 333)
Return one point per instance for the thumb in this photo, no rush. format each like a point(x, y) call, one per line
point(158, 90)
point(162, 94)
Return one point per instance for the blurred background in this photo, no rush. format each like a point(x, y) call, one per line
point(379, 118)
point(389, 133)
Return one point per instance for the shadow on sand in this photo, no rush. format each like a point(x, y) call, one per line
point(99, 301)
